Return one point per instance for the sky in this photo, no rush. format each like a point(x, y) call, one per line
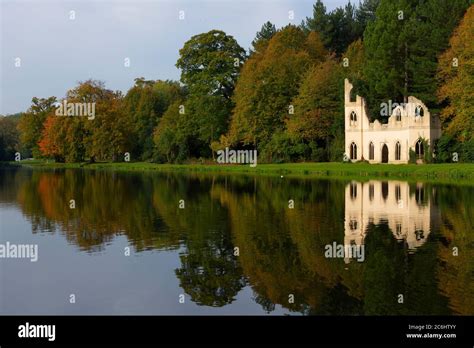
point(45, 49)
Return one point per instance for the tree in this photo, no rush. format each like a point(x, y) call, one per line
point(268, 83)
point(51, 142)
point(9, 138)
point(428, 36)
point(171, 136)
point(320, 20)
point(402, 46)
point(456, 73)
point(263, 37)
point(211, 116)
point(31, 124)
point(318, 106)
point(342, 26)
point(210, 64)
point(145, 103)
point(103, 137)
point(365, 13)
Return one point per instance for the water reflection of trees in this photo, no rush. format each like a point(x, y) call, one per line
point(281, 249)
point(102, 208)
point(209, 271)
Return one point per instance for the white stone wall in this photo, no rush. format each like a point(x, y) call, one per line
point(406, 129)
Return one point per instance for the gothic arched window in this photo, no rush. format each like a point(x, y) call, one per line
point(419, 111)
point(353, 118)
point(353, 151)
point(398, 151)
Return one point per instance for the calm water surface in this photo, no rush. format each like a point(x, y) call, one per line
point(406, 234)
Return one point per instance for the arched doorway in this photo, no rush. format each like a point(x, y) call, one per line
point(371, 151)
point(384, 153)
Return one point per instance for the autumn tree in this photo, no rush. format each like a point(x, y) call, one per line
point(105, 136)
point(318, 108)
point(268, 83)
point(51, 143)
point(456, 73)
point(31, 124)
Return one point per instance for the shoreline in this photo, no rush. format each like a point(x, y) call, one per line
point(453, 173)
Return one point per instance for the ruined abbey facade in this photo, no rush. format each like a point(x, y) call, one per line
point(409, 126)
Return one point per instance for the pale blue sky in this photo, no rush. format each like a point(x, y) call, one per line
point(57, 52)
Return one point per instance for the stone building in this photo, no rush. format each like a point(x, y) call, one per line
point(409, 126)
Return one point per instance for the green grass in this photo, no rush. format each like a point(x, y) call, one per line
point(460, 173)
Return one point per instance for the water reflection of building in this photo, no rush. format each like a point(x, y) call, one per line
point(406, 209)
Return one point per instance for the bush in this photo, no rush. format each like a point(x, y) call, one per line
point(444, 148)
point(336, 149)
point(412, 156)
point(281, 149)
point(447, 146)
point(428, 153)
point(467, 151)
point(318, 153)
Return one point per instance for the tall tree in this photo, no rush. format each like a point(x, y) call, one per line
point(210, 64)
point(178, 134)
point(268, 83)
point(318, 107)
point(402, 46)
point(263, 37)
point(340, 27)
point(428, 34)
point(52, 139)
point(145, 103)
point(31, 124)
point(319, 22)
point(456, 73)
point(9, 138)
point(365, 13)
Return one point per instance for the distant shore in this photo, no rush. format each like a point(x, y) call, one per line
point(455, 173)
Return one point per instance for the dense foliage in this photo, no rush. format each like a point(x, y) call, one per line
point(284, 98)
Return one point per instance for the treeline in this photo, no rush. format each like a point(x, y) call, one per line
point(284, 97)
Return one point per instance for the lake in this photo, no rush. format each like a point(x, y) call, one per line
point(196, 243)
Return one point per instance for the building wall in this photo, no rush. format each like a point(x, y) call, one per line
point(403, 126)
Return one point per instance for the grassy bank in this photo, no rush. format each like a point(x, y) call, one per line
point(461, 173)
